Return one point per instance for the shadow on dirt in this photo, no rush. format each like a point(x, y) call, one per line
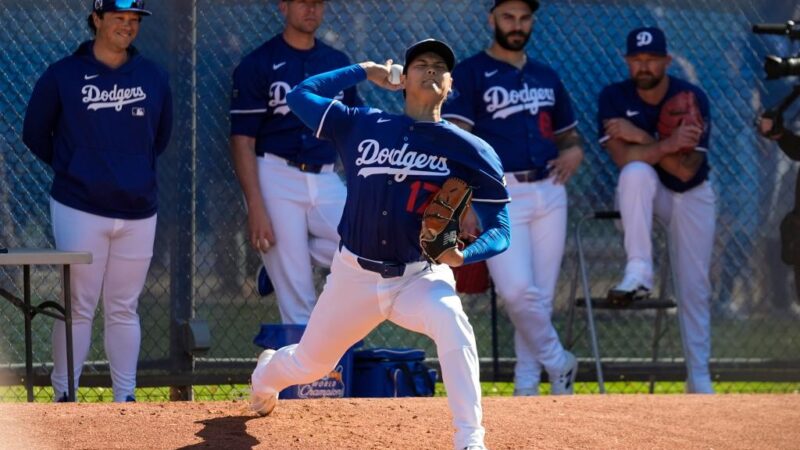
point(225, 432)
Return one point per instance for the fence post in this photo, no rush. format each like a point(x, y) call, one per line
point(183, 220)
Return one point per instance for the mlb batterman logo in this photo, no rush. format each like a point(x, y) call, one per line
point(644, 38)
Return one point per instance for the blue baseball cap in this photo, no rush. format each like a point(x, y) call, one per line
point(647, 40)
point(433, 46)
point(137, 6)
point(534, 4)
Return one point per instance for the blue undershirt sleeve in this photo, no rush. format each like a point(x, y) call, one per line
point(310, 99)
point(496, 236)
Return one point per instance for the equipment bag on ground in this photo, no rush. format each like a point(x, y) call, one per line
point(790, 238)
point(387, 372)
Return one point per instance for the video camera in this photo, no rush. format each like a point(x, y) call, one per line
point(775, 66)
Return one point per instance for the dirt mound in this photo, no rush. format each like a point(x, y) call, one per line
point(584, 421)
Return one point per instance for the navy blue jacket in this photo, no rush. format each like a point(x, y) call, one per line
point(620, 100)
point(101, 129)
point(258, 101)
point(394, 166)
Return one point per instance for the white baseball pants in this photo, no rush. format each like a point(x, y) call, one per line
point(305, 210)
point(525, 275)
point(121, 253)
point(355, 301)
point(690, 220)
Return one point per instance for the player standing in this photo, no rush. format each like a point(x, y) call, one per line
point(522, 109)
point(668, 177)
point(393, 164)
point(100, 118)
point(294, 199)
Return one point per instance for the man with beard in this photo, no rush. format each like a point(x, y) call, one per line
point(522, 109)
point(668, 177)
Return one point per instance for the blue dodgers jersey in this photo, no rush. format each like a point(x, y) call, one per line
point(393, 167)
point(518, 112)
point(101, 129)
point(620, 100)
point(258, 101)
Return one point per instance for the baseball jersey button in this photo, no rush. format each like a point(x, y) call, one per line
point(405, 138)
point(383, 242)
point(385, 213)
point(389, 182)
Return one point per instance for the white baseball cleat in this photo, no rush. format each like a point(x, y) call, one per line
point(263, 402)
point(632, 288)
point(563, 383)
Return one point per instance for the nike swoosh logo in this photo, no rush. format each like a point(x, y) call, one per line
point(278, 66)
point(490, 74)
point(630, 113)
point(89, 77)
point(384, 120)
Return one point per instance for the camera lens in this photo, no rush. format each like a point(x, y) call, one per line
point(777, 67)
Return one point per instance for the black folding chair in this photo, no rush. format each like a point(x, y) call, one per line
point(660, 304)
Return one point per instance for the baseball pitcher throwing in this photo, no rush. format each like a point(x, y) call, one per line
point(395, 166)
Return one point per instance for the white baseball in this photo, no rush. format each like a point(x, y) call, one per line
point(394, 73)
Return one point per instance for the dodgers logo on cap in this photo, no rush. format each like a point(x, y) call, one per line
point(644, 38)
point(647, 40)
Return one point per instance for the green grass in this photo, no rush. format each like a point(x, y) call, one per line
point(240, 392)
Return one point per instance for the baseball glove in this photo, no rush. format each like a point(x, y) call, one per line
point(681, 109)
point(442, 218)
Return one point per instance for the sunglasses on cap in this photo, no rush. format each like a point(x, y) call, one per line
point(136, 6)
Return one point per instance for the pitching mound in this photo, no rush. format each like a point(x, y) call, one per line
point(631, 421)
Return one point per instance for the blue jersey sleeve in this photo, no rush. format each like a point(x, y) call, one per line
point(496, 236)
point(460, 104)
point(564, 116)
point(249, 99)
point(165, 120)
point(312, 101)
point(605, 111)
point(351, 97)
point(41, 116)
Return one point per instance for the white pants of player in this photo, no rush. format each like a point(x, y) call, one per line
point(121, 253)
point(525, 275)
point(690, 220)
point(305, 210)
point(355, 301)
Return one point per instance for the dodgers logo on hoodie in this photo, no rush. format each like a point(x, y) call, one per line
point(116, 97)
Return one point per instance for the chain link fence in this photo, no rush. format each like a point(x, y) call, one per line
point(204, 268)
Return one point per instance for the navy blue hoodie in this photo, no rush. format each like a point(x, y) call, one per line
point(101, 129)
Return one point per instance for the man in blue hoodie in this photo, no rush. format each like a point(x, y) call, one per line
point(100, 118)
